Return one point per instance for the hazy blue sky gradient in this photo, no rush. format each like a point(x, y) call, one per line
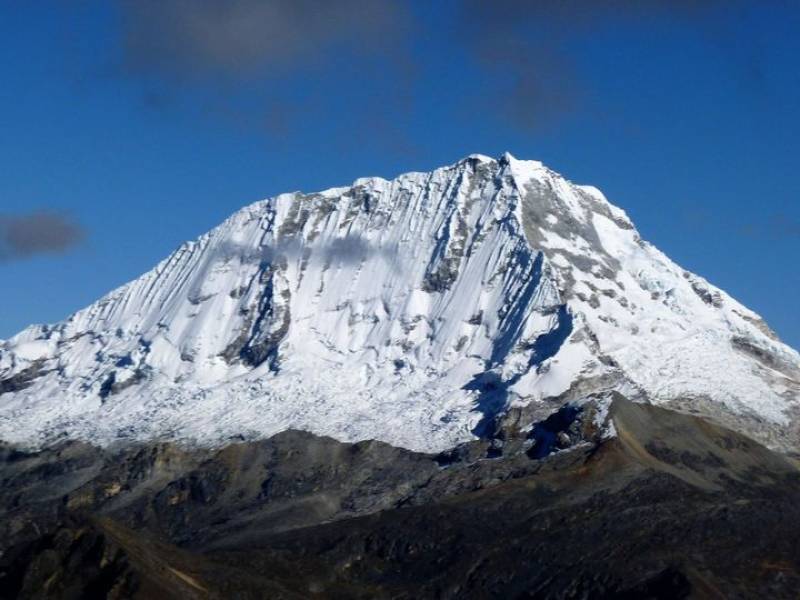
point(129, 127)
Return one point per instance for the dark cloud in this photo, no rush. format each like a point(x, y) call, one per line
point(532, 44)
point(354, 249)
point(581, 13)
point(276, 65)
point(179, 39)
point(272, 66)
point(23, 236)
point(776, 227)
point(345, 251)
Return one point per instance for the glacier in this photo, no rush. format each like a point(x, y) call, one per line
point(412, 311)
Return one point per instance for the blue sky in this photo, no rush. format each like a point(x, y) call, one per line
point(129, 127)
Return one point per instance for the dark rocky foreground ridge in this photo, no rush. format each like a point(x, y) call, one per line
point(672, 507)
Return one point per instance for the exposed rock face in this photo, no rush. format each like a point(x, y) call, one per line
point(640, 502)
point(418, 311)
point(23, 378)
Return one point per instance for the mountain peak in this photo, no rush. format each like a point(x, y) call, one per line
point(417, 311)
point(481, 158)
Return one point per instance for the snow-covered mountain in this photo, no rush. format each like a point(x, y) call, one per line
point(410, 311)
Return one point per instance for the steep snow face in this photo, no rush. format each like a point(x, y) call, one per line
point(411, 311)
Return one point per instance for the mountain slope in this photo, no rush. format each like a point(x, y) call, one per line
point(412, 311)
point(673, 507)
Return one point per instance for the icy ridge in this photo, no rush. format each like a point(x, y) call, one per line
point(410, 311)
